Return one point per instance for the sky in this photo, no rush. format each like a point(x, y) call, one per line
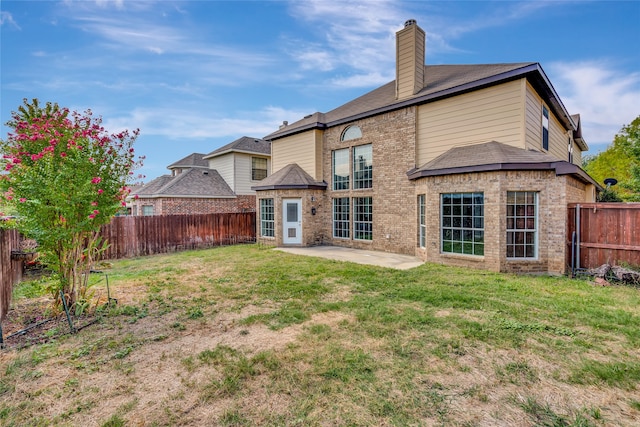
point(196, 75)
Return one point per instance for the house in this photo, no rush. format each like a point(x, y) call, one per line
point(208, 183)
point(465, 165)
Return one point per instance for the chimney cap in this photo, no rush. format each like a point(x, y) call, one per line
point(409, 22)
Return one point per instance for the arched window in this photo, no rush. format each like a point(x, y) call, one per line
point(351, 132)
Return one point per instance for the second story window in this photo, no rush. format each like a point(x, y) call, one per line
point(258, 168)
point(362, 167)
point(545, 128)
point(570, 149)
point(352, 132)
point(340, 169)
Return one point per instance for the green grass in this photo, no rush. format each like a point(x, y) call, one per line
point(372, 346)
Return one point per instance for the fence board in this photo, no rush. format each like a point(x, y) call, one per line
point(132, 236)
point(609, 233)
point(10, 270)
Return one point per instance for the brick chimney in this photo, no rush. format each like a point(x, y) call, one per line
point(410, 47)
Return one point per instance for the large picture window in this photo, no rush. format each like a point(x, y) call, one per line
point(362, 166)
point(522, 224)
point(267, 218)
point(340, 166)
point(258, 168)
point(362, 218)
point(422, 221)
point(341, 218)
point(462, 223)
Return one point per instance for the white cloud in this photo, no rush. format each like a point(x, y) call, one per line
point(181, 124)
point(7, 19)
point(605, 98)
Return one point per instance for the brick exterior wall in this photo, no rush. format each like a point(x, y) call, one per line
point(186, 205)
point(393, 140)
point(554, 193)
point(395, 219)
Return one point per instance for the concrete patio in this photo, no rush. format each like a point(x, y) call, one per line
point(382, 259)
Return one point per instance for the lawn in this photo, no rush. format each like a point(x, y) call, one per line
point(245, 335)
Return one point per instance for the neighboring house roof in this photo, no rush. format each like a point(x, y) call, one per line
point(193, 160)
point(441, 81)
point(203, 183)
point(494, 156)
point(245, 144)
point(290, 176)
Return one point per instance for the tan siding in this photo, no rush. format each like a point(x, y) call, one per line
point(557, 138)
point(300, 149)
point(224, 165)
point(557, 133)
point(243, 173)
point(491, 114)
point(409, 61)
point(533, 119)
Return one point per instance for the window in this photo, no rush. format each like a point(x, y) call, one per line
point(341, 217)
point(352, 132)
point(522, 222)
point(462, 223)
point(267, 218)
point(570, 149)
point(362, 167)
point(147, 210)
point(362, 218)
point(422, 221)
point(545, 128)
point(340, 166)
point(258, 168)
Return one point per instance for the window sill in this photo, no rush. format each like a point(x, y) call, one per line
point(476, 258)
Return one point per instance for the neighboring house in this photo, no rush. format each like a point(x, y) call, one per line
point(213, 183)
point(467, 165)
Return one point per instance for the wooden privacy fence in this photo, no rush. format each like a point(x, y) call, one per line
point(605, 233)
point(131, 236)
point(10, 269)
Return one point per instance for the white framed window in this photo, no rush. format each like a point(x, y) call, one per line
point(362, 167)
point(363, 218)
point(147, 210)
point(522, 224)
point(422, 221)
point(340, 169)
point(462, 223)
point(341, 218)
point(545, 128)
point(267, 218)
point(570, 149)
point(351, 132)
point(258, 168)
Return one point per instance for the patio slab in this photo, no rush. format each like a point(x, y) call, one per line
point(382, 259)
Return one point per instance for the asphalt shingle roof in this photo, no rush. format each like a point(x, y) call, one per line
point(290, 176)
point(493, 156)
point(192, 160)
point(190, 183)
point(245, 144)
point(440, 81)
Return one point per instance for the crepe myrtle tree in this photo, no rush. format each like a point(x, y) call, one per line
point(65, 176)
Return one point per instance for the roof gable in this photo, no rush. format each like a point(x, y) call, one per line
point(192, 160)
point(290, 176)
point(440, 81)
point(190, 183)
point(244, 144)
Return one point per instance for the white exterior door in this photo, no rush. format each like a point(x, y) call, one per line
point(292, 221)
